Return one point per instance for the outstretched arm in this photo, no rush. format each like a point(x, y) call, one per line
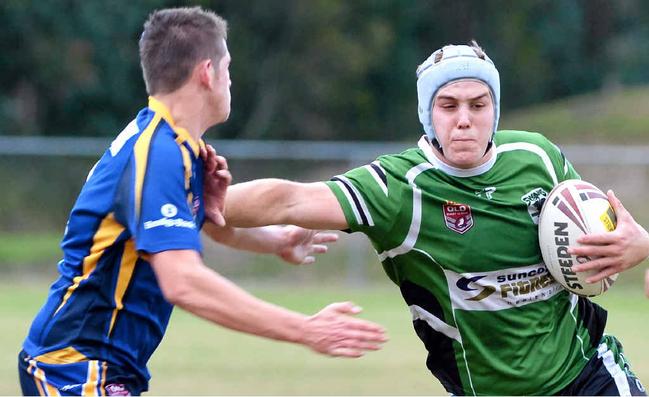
point(291, 243)
point(625, 247)
point(278, 201)
point(186, 282)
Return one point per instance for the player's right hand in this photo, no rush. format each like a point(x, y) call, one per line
point(216, 180)
point(334, 332)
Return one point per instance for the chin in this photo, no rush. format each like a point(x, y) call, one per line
point(464, 161)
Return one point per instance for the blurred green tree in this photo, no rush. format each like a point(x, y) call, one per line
point(318, 69)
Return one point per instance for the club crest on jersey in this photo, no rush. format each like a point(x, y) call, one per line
point(457, 217)
point(534, 200)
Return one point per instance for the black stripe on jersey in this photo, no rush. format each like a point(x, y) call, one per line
point(593, 317)
point(380, 173)
point(357, 203)
point(441, 359)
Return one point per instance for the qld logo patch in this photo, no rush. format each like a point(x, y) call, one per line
point(457, 217)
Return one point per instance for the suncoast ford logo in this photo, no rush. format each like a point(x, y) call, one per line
point(464, 282)
point(501, 289)
point(515, 284)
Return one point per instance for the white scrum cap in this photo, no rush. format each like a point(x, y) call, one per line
point(449, 64)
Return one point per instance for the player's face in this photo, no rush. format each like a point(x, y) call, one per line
point(463, 117)
point(222, 83)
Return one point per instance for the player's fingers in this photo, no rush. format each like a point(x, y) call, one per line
point(345, 352)
point(221, 162)
point(325, 237)
point(599, 263)
point(357, 344)
point(618, 207)
point(372, 336)
point(224, 175)
point(318, 249)
point(365, 330)
point(593, 250)
point(218, 219)
point(646, 283)
point(606, 272)
point(344, 308)
point(598, 238)
point(308, 260)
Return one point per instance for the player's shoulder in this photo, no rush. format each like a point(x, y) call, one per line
point(507, 137)
point(400, 163)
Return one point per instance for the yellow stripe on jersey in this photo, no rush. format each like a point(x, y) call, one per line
point(44, 388)
point(62, 356)
point(160, 109)
point(187, 162)
point(30, 370)
point(90, 387)
point(104, 369)
point(141, 150)
point(126, 268)
point(104, 237)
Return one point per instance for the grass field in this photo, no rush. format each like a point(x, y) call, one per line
point(197, 358)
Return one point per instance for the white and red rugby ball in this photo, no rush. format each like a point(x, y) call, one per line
point(574, 208)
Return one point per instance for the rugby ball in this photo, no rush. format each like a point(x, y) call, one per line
point(574, 208)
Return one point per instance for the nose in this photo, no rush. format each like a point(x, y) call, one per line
point(463, 118)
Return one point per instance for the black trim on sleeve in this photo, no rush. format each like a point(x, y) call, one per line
point(357, 203)
point(380, 173)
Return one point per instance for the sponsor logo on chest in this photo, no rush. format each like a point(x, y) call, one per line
point(501, 289)
point(457, 217)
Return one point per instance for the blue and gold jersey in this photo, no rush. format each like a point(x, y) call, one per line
point(142, 197)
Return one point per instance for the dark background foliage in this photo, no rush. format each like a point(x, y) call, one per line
point(316, 69)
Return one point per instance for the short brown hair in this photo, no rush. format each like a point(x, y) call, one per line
point(174, 40)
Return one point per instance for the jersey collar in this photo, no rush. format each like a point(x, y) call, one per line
point(425, 147)
point(183, 134)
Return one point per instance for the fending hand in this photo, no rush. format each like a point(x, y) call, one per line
point(334, 332)
point(299, 244)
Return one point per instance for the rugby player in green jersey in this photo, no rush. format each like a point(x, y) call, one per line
point(454, 223)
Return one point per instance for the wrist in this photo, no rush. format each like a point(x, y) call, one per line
point(280, 239)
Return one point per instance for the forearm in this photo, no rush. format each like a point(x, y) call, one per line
point(214, 298)
point(187, 283)
point(263, 240)
point(217, 299)
point(259, 203)
point(275, 201)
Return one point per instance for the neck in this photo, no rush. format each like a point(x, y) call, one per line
point(187, 111)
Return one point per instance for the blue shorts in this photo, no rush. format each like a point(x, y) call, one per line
point(608, 373)
point(86, 378)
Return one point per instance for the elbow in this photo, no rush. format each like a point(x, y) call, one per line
point(178, 291)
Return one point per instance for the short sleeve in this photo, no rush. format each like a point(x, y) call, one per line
point(163, 218)
point(368, 202)
point(565, 169)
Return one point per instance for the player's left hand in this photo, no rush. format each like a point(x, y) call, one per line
point(299, 244)
point(625, 247)
point(216, 180)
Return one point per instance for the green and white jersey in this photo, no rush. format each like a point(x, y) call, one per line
point(462, 246)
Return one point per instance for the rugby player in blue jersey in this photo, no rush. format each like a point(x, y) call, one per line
point(131, 246)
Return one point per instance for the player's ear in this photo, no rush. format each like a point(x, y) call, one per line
point(206, 72)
